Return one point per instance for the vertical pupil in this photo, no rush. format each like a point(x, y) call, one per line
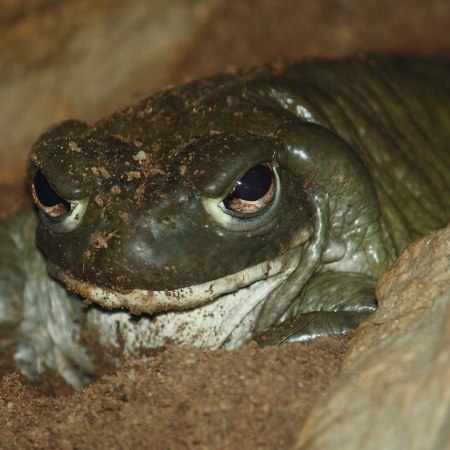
point(254, 184)
point(44, 192)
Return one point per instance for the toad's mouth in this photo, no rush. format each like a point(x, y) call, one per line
point(143, 301)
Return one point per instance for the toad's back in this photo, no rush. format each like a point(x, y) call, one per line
point(396, 115)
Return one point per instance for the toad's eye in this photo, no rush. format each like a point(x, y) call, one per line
point(253, 203)
point(46, 198)
point(253, 192)
point(56, 213)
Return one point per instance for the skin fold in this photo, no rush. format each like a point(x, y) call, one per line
point(358, 155)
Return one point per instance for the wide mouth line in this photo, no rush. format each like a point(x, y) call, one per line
point(146, 301)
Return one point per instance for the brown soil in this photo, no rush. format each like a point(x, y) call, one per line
point(181, 398)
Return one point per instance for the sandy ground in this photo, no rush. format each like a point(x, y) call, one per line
point(180, 398)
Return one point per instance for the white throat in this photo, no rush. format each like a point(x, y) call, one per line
point(225, 322)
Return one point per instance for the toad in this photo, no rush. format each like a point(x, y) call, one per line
point(258, 205)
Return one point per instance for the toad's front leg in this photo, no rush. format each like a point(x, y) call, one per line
point(332, 303)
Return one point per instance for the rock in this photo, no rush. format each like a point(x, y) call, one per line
point(78, 58)
point(393, 391)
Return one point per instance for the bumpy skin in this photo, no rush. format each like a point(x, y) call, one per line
point(361, 150)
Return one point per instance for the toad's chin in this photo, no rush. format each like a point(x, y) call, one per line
point(146, 301)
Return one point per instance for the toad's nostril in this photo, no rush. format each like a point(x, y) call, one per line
point(46, 198)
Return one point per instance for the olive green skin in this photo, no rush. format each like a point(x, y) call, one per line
point(200, 138)
point(361, 150)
